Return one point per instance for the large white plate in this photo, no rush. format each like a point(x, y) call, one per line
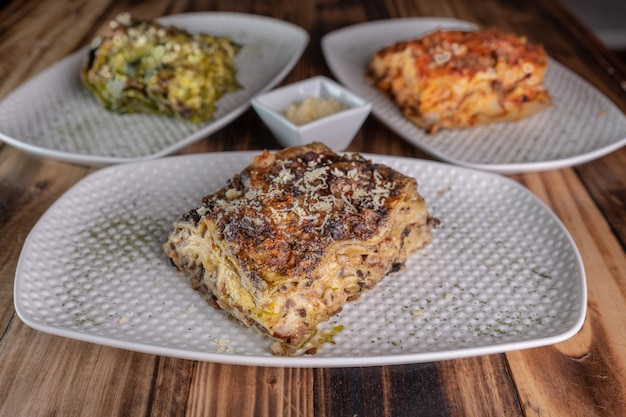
point(501, 273)
point(581, 125)
point(54, 115)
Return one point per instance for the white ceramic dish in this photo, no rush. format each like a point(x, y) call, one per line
point(336, 130)
point(501, 274)
point(581, 125)
point(54, 115)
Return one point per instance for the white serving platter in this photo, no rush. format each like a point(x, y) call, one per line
point(501, 274)
point(54, 115)
point(581, 125)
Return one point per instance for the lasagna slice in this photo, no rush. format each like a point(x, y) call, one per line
point(142, 66)
point(294, 236)
point(456, 79)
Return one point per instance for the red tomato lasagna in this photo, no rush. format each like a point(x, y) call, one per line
point(457, 79)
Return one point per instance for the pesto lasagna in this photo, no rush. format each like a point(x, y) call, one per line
point(142, 66)
point(456, 79)
point(298, 233)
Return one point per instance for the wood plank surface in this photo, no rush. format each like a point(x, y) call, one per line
point(581, 376)
point(45, 375)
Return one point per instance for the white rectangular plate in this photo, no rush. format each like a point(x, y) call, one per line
point(54, 114)
point(501, 274)
point(581, 125)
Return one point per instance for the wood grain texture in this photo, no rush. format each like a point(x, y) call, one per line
point(380, 391)
point(479, 387)
point(44, 375)
point(230, 390)
point(605, 179)
point(580, 376)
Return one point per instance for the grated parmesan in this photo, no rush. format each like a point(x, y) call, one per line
point(313, 108)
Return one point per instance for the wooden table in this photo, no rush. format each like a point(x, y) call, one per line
point(45, 375)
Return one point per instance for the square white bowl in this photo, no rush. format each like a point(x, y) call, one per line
point(336, 130)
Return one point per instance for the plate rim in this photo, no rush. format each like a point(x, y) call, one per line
point(298, 361)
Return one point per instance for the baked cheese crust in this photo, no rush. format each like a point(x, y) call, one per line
point(294, 236)
point(457, 79)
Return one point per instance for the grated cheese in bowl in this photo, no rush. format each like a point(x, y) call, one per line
point(313, 108)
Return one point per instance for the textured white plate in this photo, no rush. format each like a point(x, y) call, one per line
point(501, 273)
point(581, 125)
point(54, 115)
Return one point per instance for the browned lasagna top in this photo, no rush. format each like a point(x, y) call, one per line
point(316, 198)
